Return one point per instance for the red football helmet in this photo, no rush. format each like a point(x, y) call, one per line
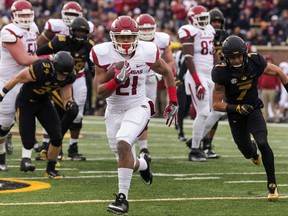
point(147, 27)
point(71, 10)
point(198, 16)
point(124, 25)
point(22, 14)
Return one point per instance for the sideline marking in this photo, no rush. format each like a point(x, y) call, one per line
point(140, 200)
point(33, 185)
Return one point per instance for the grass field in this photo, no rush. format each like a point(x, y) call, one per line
point(230, 185)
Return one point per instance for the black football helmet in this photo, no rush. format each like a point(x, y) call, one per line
point(217, 15)
point(79, 30)
point(63, 65)
point(234, 46)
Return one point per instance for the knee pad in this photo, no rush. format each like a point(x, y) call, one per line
point(4, 130)
point(76, 126)
point(56, 142)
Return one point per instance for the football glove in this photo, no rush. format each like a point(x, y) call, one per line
point(244, 109)
point(122, 74)
point(170, 113)
point(200, 91)
point(72, 107)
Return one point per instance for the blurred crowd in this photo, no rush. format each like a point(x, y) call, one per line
point(259, 22)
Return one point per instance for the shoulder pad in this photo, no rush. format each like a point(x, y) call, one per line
point(8, 38)
point(101, 49)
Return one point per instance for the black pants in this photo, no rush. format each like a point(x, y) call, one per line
point(46, 114)
point(184, 102)
point(254, 124)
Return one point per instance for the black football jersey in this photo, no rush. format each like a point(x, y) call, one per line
point(79, 52)
point(240, 87)
point(220, 36)
point(45, 83)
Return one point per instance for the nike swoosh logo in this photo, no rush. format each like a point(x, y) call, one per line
point(137, 66)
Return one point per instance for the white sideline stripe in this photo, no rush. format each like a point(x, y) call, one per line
point(196, 178)
point(140, 200)
point(248, 181)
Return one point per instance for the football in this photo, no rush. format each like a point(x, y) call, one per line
point(110, 72)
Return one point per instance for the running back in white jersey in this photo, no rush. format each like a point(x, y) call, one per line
point(132, 92)
point(59, 27)
point(203, 46)
point(8, 66)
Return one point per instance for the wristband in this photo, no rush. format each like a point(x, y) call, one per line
point(5, 90)
point(286, 87)
point(111, 85)
point(171, 90)
point(231, 108)
point(196, 78)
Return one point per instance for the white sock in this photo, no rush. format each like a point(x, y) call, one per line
point(73, 141)
point(143, 144)
point(46, 140)
point(142, 164)
point(124, 180)
point(198, 126)
point(26, 153)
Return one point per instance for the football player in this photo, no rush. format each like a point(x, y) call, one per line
point(53, 27)
point(79, 45)
point(18, 48)
point(147, 32)
point(236, 78)
point(128, 109)
point(197, 39)
point(33, 101)
point(218, 22)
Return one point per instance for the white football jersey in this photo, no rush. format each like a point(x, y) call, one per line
point(203, 46)
point(59, 27)
point(162, 40)
point(132, 92)
point(8, 66)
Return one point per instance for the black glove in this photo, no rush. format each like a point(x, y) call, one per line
point(243, 109)
point(72, 107)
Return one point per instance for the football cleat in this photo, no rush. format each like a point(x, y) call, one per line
point(197, 155)
point(189, 143)
point(53, 174)
point(120, 206)
point(26, 165)
point(211, 154)
point(73, 153)
point(61, 156)
point(145, 150)
point(273, 192)
point(3, 166)
point(257, 160)
point(181, 137)
point(8, 144)
point(146, 175)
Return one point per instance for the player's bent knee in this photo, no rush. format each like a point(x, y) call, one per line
point(56, 142)
point(4, 131)
point(76, 126)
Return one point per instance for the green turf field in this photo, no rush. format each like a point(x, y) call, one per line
point(230, 185)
